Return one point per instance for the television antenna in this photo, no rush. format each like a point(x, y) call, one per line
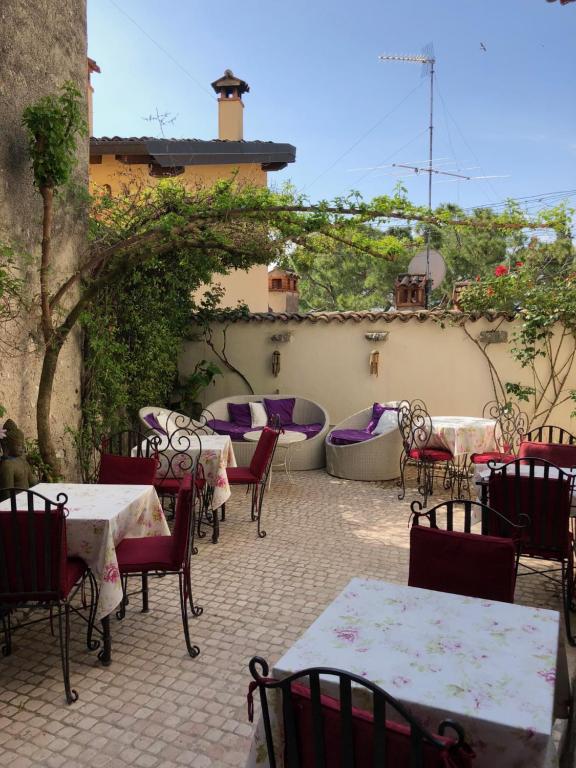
point(428, 60)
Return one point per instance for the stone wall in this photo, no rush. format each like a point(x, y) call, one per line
point(42, 44)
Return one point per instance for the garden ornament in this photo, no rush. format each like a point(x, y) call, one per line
point(15, 472)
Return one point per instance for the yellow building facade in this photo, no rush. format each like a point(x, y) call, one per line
point(117, 163)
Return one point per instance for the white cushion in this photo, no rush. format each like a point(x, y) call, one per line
point(387, 423)
point(258, 415)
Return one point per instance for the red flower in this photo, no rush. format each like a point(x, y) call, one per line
point(477, 278)
point(489, 291)
point(501, 270)
point(519, 264)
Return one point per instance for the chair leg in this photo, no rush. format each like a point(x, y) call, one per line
point(567, 591)
point(254, 506)
point(7, 629)
point(64, 632)
point(195, 610)
point(145, 607)
point(260, 500)
point(223, 515)
point(121, 612)
point(91, 644)
point(193, 650)
point(401, 481)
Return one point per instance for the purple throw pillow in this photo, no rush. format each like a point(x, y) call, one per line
point(377, 411)
point(283, 408)
point(239, 413)
point(152, 420)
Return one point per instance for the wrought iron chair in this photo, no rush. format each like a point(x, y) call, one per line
point(254, 477)
point(166, 555)
point(548, 433)
point(510, 428)
point(459, 561)
point(561, 454)
point(543, 491)
point(127, 457)
point(322, 731)
point(415, 425)
point(35, 570)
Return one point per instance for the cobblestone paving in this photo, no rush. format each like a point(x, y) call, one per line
point(155, 707)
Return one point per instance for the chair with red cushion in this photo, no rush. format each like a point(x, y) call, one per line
point(461, 562)
point(35, 570)
point(255, 477)
point(127, 458)
point(509, 430)
point(550, 433)
point(322, 731)
point(166, 555)
point(415, 427)
point(563, 455)
point(542, 491)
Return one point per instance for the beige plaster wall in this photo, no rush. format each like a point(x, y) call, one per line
point(34, 65)
point(329, 363)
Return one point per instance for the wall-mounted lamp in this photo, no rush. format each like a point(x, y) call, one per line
point(275, 362)
point(493, 337)
point(374, 360)
point(281, 338)
point(376, 336)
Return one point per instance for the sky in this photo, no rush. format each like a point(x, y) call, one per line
point(505, 95)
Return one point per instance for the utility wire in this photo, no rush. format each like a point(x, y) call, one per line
point(366, 133)
point(167, 53)
point(396, 152)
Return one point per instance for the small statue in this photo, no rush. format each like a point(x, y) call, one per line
point(15, 472)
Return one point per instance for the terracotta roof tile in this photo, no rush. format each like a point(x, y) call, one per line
point(420, 316)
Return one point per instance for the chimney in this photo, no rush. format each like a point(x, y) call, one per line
point(92, 67)
point(230, 107)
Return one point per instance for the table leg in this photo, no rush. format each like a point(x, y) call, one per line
point(105, 655)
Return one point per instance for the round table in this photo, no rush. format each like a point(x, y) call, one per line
point(285, 440)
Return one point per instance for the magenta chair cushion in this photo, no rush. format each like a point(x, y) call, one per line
point(234, 431)
point(349, 436)
point(310, 430)
point(557, 453)
point(127, 470)
point(239, 414)
point(282, 407)
point(484, 458)
point(241, 476)
point(430, 454)
point(152, 420)
point(397, 737)
point(462, 563)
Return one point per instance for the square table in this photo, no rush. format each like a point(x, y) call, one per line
point(493, 667)
point(99, 517)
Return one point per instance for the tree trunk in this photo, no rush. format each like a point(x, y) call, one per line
point(46, 262)
point(43, 403)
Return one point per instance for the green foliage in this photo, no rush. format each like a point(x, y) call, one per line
point(43, 471)
point(53, 125)
point(186, 393)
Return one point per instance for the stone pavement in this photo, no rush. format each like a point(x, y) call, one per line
point(155, 707)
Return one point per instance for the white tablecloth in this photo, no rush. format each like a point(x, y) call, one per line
point(462, 435)
point(491, 666)
point(99, 517)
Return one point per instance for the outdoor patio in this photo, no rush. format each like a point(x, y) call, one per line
point(155, 706)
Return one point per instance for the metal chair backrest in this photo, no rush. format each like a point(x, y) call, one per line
point(323, 731)
point(511, 425)
point(415, 425)
point(264, 453)
point(185, 516)
point(541, 490)
point(468, 512)
point(549, 433)
point(561, 454)
point(177, 452)
point(32, 547)
point(128, 442)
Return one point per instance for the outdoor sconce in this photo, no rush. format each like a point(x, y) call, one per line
point(376, 336)
point(275, 362)
point(281, 338)
point(374, 360)
point(493, 337)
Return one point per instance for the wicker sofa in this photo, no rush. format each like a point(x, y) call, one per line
point(307, 455)
point(375, 458)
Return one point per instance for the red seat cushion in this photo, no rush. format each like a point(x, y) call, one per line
point(397, 738)
point(484, 458)
point(241, 476)
point(430, 454)
point(148, 553)
point(462, 563)
point(168, 485)
point(127, 470)
point(557, 453)
point(73, 572)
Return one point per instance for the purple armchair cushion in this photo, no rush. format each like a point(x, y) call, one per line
point(377, 411)
point(152, 420)
point(239, 414)
point(310, 430)
point(229, 428)
point(283, 408)
point(349, 436)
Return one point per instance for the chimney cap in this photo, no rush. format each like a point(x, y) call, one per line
point(229, 80)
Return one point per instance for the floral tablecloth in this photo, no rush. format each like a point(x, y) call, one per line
point(217, 453)
point(491, 666)
point(99, 517)
point(463, 435)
